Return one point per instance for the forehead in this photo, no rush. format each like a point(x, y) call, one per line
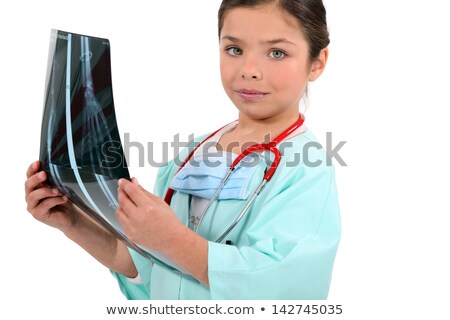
point(268, 21)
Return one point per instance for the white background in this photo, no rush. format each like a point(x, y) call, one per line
point(385, 91)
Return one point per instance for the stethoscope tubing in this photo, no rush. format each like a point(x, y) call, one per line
point(243, 211)
point(271, 147)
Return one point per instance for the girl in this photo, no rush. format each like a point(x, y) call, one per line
point(284, 244)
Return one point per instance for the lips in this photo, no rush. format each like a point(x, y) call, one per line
point(251, 94)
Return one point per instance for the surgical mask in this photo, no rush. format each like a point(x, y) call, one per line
point(203, 174)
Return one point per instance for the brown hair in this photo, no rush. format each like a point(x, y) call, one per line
point(310, 14)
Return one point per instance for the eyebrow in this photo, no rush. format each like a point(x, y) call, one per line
point(271, 42)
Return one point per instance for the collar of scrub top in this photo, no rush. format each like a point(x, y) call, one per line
point(271, 146)
point(295, 129)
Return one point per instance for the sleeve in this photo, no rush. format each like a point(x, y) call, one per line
point(132, 290)
point(291, 244)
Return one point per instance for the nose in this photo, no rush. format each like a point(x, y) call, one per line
point(250, 69)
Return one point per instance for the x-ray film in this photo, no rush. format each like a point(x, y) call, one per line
point(80, 143)
point(81, 150)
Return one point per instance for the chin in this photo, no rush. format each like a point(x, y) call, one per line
point(255, 115)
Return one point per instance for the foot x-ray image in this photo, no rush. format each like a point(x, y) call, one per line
point(81, 150)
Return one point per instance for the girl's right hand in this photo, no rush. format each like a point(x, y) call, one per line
point(47, 204)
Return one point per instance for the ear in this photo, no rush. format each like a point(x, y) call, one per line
point(318, 65)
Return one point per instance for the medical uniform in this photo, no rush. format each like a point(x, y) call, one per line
point(283, 248)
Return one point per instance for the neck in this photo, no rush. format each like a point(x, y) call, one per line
point(264, 129)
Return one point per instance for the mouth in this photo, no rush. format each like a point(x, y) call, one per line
point(250, 94)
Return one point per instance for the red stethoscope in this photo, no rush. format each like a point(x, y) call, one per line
point(271, 147)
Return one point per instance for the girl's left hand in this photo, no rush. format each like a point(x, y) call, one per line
point(147, 220)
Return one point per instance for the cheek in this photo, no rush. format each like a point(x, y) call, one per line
point(289, 78)
point(227, 76)
point(225, 71)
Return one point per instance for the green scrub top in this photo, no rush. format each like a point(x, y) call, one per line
point(283, 248)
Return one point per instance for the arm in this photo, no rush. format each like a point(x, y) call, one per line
point(48, 206)
point(101, 245)
point(287, 248)
point(188, 250)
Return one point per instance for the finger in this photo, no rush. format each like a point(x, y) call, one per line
point(33, 168)
point(122, 216)
point(36, 196)
point(42, 209)
point(34, 181)
point(135, 181)
point(125, 203)
point(148, 193)
point(134, 192)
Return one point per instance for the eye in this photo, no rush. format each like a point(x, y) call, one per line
point(234, 51)
point(277, 54)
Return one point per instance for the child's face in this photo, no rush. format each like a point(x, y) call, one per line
point(264, 61)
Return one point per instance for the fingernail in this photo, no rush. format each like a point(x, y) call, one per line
point(65, 198)
point(42, 175)
point(55, 191)
point(120, 182)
